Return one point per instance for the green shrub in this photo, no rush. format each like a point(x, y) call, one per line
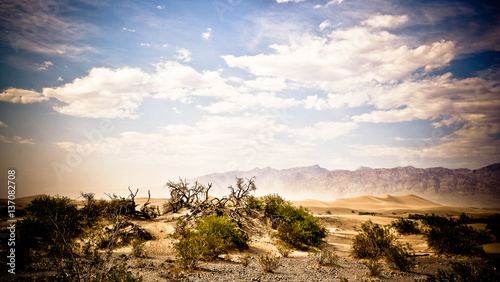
point(220, 235)
point(209, 238)
point(406, 226)
point(269, 262)
point(254, 203)
point(325, 257)
point(295, 226)
point(374, 267)
point(372, 242)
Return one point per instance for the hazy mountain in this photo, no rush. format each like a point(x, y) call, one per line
point(449, 186)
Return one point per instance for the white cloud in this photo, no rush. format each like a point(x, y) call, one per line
point(431, 98)
point(326, 130)
point(333, 2)
point(103, 93)
point(17, 140)
point(14, 95)
point(60, 79)
point(145, 44)
point(267, 83)
point(218, 140)
point(183, 55)
point(206, 35)
point(325, 24)
point(385, 21)
point(2, 124)
point(346, 59)
point(160, 7)
point(128, 29)
point(241, 102)
point(43, 66)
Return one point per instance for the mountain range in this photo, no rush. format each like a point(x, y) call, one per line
point(480, 187)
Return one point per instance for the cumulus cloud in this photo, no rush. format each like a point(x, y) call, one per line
point(2, 124)
point(14, 95)
point(346, 59)
point(385, 21)
point(103, 93)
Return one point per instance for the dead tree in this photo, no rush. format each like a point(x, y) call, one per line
point(183, 196)
point(242, 190)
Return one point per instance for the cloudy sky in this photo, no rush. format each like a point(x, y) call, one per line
point(101, 95)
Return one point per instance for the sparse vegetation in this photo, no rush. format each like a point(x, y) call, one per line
point(374, 267)
point(206, 240)
point(245, 259)
point(325, 257)
point(284, 250)
point(451, 236)
point(405, 226)
point(375, 242)
point(269, 262)
point(295, 226)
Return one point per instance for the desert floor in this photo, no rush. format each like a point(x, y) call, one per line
point(340, 217)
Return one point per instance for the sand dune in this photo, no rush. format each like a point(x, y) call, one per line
point(373, 203)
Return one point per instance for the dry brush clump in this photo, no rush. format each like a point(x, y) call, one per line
point(54, 230)
point(375, 242)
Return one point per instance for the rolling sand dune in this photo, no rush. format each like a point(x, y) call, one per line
point(386, 204)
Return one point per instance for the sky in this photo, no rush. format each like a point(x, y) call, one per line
point(101, 95)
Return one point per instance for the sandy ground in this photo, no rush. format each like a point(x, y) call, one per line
point(340, 217)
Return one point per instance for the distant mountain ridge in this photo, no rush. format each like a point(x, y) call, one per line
point(315, 182)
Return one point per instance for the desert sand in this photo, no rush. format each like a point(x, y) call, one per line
point(342, 219)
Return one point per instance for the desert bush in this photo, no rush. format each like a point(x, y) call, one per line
point(400, 257)
point(374, 267)
point(295, 226)
point(325, 257)
point(48, 222)
point(343, 279)
point(372, 242)
point(254, 203)
point(467, 271)
point(284, 250)
point(206, 240)
point(138, 248)
point(405, 226)
point(456, 240)
point(220, 235)
point(269, 262)
point(245, 259)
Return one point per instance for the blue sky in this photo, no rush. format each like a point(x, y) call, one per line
point(101, 95)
